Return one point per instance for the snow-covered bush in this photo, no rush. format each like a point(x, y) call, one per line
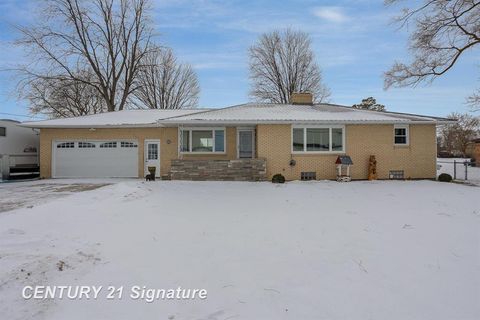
point(445, 177)
point(278, 178)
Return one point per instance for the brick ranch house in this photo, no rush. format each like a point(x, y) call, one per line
point(251, 141)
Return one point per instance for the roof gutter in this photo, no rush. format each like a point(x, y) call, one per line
point(251, 122)
point(90, 126)
point(170, 123)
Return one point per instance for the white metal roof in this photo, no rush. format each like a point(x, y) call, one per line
point(250, 113)
point(125, 118)
point(288, 113)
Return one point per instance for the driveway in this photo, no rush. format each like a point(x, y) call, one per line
point(15, 195)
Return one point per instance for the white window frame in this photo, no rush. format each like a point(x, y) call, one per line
point(330, 127)
point(407, 134)
point(211, 129)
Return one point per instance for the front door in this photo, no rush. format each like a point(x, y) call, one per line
point(246, 142)
point(152, 156)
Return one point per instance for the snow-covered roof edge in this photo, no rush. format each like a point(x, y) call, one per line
point(182, 117)
point(399, 117)
point(143, 118)
point(396, 113)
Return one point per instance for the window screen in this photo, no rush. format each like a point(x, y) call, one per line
point(219, 140)
point(202, 141)
point(185, 140)
point(318, 139)
point(298, 139)
point(337, 139)
point(401, 135)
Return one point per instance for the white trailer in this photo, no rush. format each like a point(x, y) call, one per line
point(18, 147)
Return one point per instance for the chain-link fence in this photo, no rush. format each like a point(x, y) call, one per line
point(459, 169)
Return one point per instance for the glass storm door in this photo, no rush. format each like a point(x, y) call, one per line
point(152, 156)
point(246, 143)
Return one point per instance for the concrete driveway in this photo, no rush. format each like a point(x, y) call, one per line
point(15, 195)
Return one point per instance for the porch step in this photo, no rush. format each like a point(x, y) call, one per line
point(24, 172)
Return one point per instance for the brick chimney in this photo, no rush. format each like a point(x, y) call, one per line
point(301, 98)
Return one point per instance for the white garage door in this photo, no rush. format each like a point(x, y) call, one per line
point(92, 159)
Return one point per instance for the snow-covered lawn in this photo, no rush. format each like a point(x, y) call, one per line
point(446, 165)
point(314, 250)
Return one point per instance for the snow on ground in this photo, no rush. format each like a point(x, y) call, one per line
point(446, 165)
point(303, 250)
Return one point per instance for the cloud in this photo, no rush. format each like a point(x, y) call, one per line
point(332, 14)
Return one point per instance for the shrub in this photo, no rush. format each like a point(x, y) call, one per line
point(278, 178)
point(445, 177)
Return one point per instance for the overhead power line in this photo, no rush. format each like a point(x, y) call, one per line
point(19, 115)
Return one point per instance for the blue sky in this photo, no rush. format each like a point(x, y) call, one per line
point(354, 44)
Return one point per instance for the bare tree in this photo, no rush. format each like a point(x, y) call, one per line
point(455, 137)
point(474, 100)
point(108, 37)
point(63, 98)
point(164, 83)
point(444, 31)
point(281, 63)
point(369, 103)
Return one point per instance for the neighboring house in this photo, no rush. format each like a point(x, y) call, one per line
point(473, 149)
point(18, 146)
point(252, 141)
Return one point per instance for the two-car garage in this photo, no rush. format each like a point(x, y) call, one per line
point(95, 158)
